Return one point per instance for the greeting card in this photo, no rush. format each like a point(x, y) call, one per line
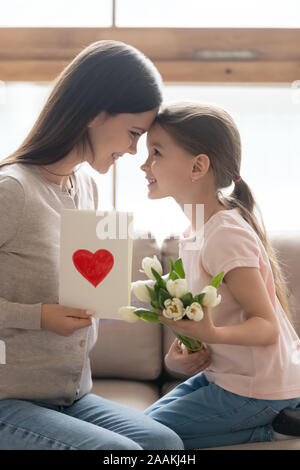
point(95, 260)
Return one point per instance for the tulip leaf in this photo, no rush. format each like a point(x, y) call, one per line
point(179, 268)
point(191, 344)
point(147, 315)
point(171, 268)
point(154, 304)
point(187, 299)
point(163, 296)
point(160, 281)
point(156, 275)
point(150, 290)
point(198, 298)
point(217, 280)
point(176, 270)
point(156, 290)
point(153, 297)
point(183, 339)
point(174, 276)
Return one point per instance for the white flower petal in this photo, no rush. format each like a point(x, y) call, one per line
point(211, 298)
point(194, 312)
point(149, 263)
point(141, 292)
point(127, 314)
point(174, 309)
point(177, 288)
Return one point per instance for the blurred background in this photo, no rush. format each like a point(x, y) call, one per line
point(243, 56)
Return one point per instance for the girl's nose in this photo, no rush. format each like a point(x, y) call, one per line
point(146, 165)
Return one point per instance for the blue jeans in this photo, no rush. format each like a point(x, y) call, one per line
point(205, 415)
point(90, 423)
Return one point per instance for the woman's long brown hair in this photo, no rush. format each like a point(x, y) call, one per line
point(209, 129)
point(107, 75)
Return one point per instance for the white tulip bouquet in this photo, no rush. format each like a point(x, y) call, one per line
point(170, 295)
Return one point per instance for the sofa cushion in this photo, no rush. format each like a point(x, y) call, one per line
point(287, 247)
point(126, 350)
point(131, 393)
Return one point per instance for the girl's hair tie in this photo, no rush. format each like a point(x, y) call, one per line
point(238, 180)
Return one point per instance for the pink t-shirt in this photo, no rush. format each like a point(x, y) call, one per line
point(269, 372)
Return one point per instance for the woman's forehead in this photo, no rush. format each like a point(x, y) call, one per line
point(144, 120)
point(157, 135)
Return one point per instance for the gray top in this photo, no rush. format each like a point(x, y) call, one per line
point(40, 365)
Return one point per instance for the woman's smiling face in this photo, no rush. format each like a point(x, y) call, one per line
point(113, 136)
point(168, 167)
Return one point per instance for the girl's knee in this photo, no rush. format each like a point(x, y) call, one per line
point(117, 443)
point(126, 444)
point(164, 438)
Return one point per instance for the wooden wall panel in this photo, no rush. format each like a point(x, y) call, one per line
point(181, 54)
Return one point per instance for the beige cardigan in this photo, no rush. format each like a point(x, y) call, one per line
point(40, 365)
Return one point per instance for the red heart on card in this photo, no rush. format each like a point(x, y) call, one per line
point(93, 266)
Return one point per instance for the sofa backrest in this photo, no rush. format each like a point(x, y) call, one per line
point(287, 247)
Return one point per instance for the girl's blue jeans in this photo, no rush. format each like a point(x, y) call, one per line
point(205, 415)
point(90, 423)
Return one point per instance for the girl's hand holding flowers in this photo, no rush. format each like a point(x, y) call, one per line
point(174, 304)
point(180, 361)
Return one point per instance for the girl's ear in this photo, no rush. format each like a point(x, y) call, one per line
point(201, 164)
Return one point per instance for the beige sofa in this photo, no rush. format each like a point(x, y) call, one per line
point(128, 359)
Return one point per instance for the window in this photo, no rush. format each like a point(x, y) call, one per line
point(56, 13)
point(268, 119)
point(157, 13)
point(19, 108)
point(208, 14)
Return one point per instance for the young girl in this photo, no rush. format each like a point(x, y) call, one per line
point(91, 116)
point(194, 152)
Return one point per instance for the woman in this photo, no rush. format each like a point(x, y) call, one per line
point(100, 105)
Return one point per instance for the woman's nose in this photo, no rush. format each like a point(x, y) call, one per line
point(132, 149)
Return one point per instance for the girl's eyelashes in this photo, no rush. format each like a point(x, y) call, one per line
point(135, 134)
point(156, 152)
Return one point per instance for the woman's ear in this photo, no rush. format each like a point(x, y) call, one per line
point(100, 118)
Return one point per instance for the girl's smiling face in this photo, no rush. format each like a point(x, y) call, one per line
point(168, 167)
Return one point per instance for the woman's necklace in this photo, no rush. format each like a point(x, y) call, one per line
point(57, 174)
